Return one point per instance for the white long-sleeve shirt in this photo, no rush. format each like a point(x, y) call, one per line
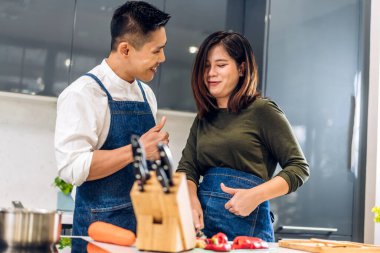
point(83, 119)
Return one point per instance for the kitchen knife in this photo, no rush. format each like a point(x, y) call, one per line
point(166, 161)
point(139, 163)
point(163, 179)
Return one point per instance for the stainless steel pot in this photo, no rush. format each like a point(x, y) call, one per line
point(22, 227)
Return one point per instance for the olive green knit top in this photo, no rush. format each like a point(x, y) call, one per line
point(253, 140)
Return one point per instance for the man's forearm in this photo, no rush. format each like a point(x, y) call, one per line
point(107, 162)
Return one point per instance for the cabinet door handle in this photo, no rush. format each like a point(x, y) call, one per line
point(308, 229)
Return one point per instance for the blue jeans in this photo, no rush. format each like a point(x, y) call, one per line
point(218, 219)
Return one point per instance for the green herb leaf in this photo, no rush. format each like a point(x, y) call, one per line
point(66, 188)
point(64, 242)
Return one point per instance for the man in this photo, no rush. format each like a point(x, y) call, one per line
point(98, 113)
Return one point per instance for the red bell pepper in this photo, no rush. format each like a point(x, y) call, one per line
point(218, 242)
point(220, 237)
point(224, 247)
point(246, 242)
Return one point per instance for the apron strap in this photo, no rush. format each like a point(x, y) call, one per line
point(106, 91)
point(100, 84)
point(142, 91)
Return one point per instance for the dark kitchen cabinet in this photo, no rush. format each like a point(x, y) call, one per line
point(91, 42)
point(46, 45)
point(315, 72)
point(92, 36)
point(35, 45)
point(191, 23)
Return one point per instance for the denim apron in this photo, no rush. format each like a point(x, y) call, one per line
point(218, 219)
point(108, 199)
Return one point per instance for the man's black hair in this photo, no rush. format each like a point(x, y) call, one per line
point(135, 20)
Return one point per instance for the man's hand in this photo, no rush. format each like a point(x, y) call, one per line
point(150, 139)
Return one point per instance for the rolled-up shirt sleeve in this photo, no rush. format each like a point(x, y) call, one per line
point(76, 134)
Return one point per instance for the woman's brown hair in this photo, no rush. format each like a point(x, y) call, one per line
point(238, 47)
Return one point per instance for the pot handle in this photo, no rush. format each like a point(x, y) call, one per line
point(17, 204)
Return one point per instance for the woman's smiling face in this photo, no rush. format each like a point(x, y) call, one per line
point(221, 74)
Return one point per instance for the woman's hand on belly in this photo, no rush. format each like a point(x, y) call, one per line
point(243, 201)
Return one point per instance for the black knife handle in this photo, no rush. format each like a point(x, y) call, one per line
point(166, 161)
point(139, 163)
point(140, 175)
point(137, 148)
point(163, 179)
point(154, 164)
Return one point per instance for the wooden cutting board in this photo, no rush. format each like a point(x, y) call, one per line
point(328, 246)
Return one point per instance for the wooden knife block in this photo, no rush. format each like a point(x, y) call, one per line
point(164, 221)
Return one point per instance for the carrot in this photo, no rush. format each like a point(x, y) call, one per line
point(109, 233)
point(91, 248)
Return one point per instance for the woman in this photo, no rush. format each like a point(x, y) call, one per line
point(235, 142)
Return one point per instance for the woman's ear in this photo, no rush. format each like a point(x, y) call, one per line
point(242, 69)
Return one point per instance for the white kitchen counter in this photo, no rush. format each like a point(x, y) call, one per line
point(273, 248)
